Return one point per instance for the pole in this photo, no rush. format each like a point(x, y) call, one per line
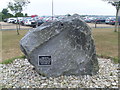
point(95, 24)
point(52, 9)
point(117, 10)
point(17, 26)
point(0, 27)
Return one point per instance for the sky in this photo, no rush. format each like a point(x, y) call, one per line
point(63, 7)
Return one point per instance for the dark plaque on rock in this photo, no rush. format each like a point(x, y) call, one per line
point(44, 60)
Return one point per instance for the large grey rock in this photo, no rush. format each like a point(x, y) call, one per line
point(68, 42)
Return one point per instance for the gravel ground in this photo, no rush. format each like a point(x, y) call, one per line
point(21, 74)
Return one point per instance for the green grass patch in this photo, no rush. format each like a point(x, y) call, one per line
point(114, 59)
point(106, 41)
point(10, 44)
point(9, 61)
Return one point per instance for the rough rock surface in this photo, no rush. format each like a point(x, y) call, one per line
point(68, 42)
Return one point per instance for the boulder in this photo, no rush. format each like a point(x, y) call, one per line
point(63, 47)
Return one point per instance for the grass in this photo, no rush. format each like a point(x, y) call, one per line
point(8, 61)
point(106, 41)
point(114, 59)
point(10, 44)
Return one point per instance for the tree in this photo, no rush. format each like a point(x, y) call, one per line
point(5, 14)
point(19, 14)
point(68, 15)
point(5, 11)
point(115, 3)
point(8, 15)
point(17, 7)
point(26, 14)
point(1, 16)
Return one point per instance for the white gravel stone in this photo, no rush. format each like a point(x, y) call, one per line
point(21, 74)
point(114, 84)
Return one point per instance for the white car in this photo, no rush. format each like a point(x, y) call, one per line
point(18, 20)
point(30, 22)
point(11, 20)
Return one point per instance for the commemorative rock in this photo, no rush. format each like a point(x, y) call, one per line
point(63, 47)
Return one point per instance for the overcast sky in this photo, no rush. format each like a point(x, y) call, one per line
point(62, 7)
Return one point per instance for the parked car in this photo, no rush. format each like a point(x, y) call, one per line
point(11, 20)
point(97, 20)
point(24, 19)
point(90, 19)
point(5, 20)
point(108, 20)
point(112, 21)
point(39, 22)
point(18, 20)
point(47, 19)
point(30, 22)
point(100, 20)
point(87, 20)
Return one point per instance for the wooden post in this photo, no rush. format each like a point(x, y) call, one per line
point(0, 27)
point(95, 24)
point(17, 27)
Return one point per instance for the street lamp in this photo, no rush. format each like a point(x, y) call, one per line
point(52, 9)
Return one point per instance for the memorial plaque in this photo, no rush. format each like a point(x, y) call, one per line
point(44, 60)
